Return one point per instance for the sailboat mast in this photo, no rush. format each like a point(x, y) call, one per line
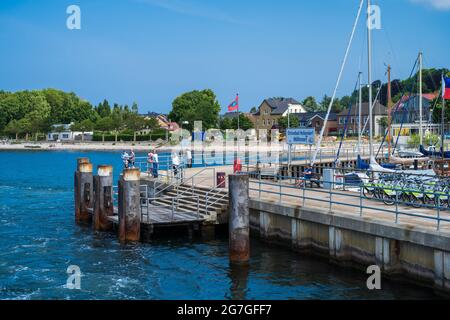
point(389, 102)
point(369, 75)
point(420, 99)
point(359, 112)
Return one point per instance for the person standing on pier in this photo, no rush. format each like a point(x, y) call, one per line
point(132, 158)
point(189, 158)
point(175, 164)
point(150, 169)
point(125, 158)
point(155, 164)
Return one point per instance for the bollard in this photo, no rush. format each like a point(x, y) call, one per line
point(239, 220)
point(83, 190)
point(129, 206)
point(103, 198)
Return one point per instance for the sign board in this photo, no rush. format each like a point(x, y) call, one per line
point(301, 136)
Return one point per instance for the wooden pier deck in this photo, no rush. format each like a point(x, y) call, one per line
point(161, 217)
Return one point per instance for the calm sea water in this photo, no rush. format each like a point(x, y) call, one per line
point(39, 240)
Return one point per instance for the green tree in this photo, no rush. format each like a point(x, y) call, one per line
point(292, 122)
point(325, 103)
point(10, 109)
point(437, 111)
point(135, 123)
point(310, 104)
point(13, 129)
point(134, 108)
point(225, 123)
point(39, 118)
point(244, 122)
point(383, 122)
point(196, 105)
point(83, 126)
point(104, 125)
point(103, 109)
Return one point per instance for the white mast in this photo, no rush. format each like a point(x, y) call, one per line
point(369, 56)
point(420, 98)
point(359, 112)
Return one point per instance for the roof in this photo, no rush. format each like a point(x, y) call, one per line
point(308, 116)
point(378, 110)
point(279, 105)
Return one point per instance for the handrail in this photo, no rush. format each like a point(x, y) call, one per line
point(192, 188)
point(439, 200)
point(207, 197)
point(173, 206)
point(179, 182)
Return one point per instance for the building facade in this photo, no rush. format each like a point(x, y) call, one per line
point(379, 112)
point(271, 110)
point(316, 120)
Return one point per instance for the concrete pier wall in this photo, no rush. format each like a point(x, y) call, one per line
point(418, 255)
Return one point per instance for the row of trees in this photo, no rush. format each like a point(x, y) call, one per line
point(25, 113)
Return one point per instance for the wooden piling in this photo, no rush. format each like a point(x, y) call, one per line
point(83, 189)
point(129, 206)
point(103, 198)
point(239, 221)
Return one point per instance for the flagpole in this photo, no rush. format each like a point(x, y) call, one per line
point(237, 97)
point(442, 117)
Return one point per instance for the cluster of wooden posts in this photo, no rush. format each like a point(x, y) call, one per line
point(94, 200)
point(94, 203)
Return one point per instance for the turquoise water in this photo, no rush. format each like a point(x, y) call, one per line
point(39, 240)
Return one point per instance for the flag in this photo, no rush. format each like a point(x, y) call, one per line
point(445, 88)
point(234, 105)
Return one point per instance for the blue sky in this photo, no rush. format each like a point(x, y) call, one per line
point(151, 51)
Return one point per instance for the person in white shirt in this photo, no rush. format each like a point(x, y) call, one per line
point(150, 162)
point(189, 158)
point(175, 163)
point(132, 158)
point(155, 164)
point(125, 158)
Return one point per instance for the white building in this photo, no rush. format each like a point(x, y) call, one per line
point(62, 132)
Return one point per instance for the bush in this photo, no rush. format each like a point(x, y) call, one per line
point(98, 136)
point(414, 140)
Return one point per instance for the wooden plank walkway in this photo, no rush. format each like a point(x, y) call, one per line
point(160, 216)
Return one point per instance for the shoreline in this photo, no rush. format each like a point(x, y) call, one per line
point(146, 147)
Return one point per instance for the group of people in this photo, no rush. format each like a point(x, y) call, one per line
point(177, 163)
point(128, 159)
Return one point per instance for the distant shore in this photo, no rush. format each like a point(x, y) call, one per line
point(86, 146)
point(147, 146)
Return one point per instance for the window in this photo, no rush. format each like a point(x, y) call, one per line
point(65, 136)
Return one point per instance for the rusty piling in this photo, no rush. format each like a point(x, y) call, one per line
point(129, 206)
point(239, 221)
point(83, 190)
point(103, 198)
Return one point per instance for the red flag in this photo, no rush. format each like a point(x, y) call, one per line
point(234, 105)
point(445, 88)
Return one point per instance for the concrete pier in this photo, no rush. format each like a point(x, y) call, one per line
point(103, 201)
point(83, 191)
point(415, 254)
point(239, 221)
point(129, 206)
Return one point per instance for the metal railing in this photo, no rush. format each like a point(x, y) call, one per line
point(213, 197)
point(178, 182)
point(360, 202)
point(146, 206)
